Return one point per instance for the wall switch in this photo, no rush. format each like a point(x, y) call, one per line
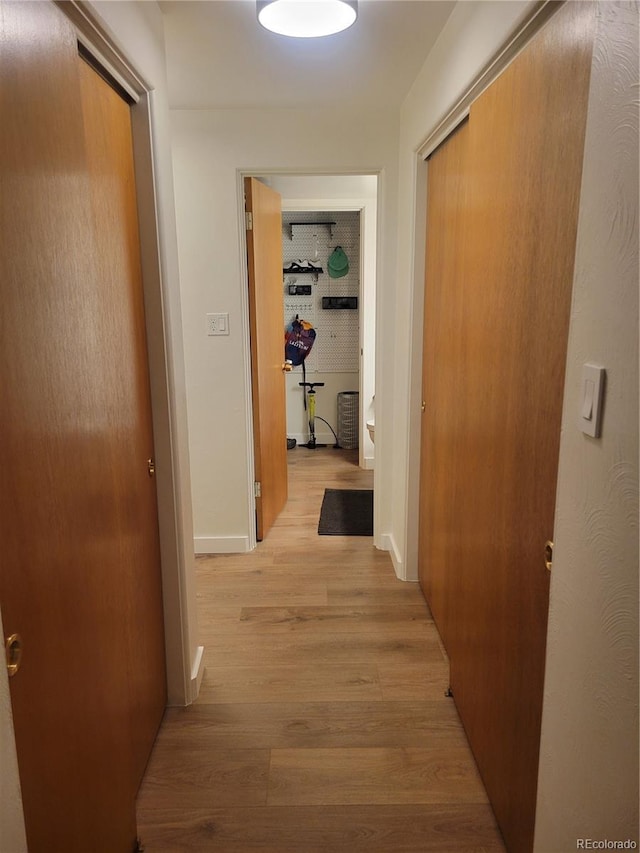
point(217, 324)
point(591, 396)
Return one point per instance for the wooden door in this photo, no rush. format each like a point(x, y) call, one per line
point(79, 577)
point(498, 429)
point(266, 317)
point(442, 381)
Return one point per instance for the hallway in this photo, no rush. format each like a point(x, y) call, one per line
point(321, 723)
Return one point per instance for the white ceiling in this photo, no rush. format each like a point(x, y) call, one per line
point(219, 56)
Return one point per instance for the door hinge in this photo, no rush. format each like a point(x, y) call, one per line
point(257, 490)
point(248, 220)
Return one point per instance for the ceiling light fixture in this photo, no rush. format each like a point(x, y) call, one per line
point(306, 18)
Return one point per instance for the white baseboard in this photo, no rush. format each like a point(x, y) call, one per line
point(368, 463)
point(388, 544)
point(221, 544)
point(197, 671)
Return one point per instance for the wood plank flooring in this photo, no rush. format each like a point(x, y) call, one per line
point(321, 725)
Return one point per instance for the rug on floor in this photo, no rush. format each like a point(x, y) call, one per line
point(346, 512)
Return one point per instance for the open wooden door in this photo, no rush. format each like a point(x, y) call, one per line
point(266, 317)
point(79, 573)
point(502, 220)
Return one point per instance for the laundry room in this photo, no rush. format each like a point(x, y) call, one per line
point(321, 280)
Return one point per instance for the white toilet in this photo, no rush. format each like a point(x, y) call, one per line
point(371, 421)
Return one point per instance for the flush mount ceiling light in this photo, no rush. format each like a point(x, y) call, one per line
point(306, 18)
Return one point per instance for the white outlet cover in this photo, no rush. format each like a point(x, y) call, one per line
point(218, 324)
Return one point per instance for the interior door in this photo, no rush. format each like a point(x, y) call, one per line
point(442, 381)
point(266, 318)
point(79, 577)
point(109, 156)
point(497, 429)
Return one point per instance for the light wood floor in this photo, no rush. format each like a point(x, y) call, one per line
point(322, 724)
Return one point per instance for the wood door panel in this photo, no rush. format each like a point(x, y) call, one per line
point(526, 143)
point(73, 517)
point(266, 312)
point(512, 290)
point(443, 392)
point(108, 145)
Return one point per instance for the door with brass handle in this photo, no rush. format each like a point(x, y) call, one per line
point(13, 652)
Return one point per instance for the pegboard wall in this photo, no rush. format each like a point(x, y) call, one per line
point(337, 346)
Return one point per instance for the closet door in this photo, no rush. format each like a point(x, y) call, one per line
point(483, 549)
point(79, 570)
point(442, 381)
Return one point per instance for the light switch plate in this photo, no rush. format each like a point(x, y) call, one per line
point(591, 397)
point(217, 324)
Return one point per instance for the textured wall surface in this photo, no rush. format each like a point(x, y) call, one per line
point(588, 781)
point(337, 348)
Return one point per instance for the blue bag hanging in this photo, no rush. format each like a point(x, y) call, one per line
point(298, 340)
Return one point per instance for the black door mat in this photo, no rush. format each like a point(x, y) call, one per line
point(346, 512)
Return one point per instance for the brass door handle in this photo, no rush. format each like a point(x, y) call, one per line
point(548, 555)
point(151, 467)
point(423, 407)
point(287, 367)
point(13, 652)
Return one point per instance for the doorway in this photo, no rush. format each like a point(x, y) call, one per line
point(343, 356)
point(328, 299)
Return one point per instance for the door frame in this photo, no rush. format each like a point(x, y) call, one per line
point(179, 602)
point(364, 207)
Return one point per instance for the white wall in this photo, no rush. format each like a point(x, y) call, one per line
point(324, 187)
point(326, 403)
point(589, 749)
point(210, 148)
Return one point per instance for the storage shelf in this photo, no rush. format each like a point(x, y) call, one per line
point(339, 302)
point(292, 225)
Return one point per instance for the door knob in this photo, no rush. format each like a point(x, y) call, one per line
point(548, 554)
point(13, 652)
point(423, 407)
point(287, 367)
point(151, 467)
